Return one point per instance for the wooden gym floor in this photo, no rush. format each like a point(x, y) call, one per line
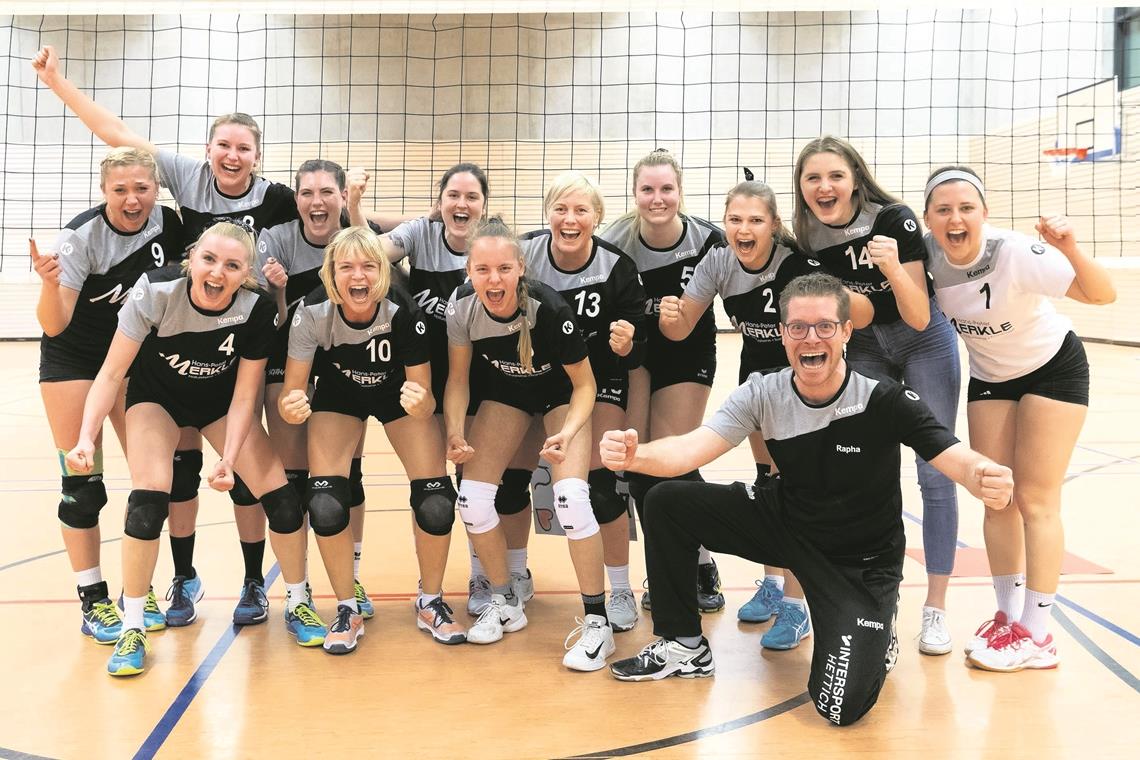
point(213, 691)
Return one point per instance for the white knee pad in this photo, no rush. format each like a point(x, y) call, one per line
point(572, 505)
point(476, 504)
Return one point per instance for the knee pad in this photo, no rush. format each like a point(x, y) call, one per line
point(240, 494)
point(146, 512)
point(607, 503)
point(356, 483)
point(327, 504)
point(187, 475)
point(433, 504)
point(81, 498)
point(476, 504)
point(299, 481)
point(513, 495)
point(572, 505)
point(283, 509)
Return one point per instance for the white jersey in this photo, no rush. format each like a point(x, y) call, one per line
point(999, 302)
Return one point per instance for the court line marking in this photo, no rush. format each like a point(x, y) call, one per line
point(1090, 646)
point(158, 735)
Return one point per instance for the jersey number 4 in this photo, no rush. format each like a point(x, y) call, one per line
point(227, 345)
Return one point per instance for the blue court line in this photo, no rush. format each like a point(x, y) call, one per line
point(178, 707)
point(1103, 657)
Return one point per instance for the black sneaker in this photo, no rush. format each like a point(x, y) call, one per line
point(663, 658)
point(253, 606)
point(709, 598)
point(646, 604)
point(893, 647)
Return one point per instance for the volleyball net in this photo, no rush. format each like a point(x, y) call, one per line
point(1027, 98)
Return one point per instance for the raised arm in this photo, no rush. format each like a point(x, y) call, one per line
point(103, 124)
point(1092, 283)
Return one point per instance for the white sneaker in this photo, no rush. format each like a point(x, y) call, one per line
point(478, 594)
point(986, 631)
point(595, 643)
point(497, 618)
point(935, 636)
point(622, 610)
point(1014, 649)
point(523, 586)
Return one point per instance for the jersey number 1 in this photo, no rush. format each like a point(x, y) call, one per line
point(985, 290)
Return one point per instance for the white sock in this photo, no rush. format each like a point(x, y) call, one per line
point(294, 595)
point(88, 577)
point(516, 561)
point(1010, 590)
point(689, 642)
point(776, 579)
point(1035, 615)
point(425, 599)
point(476, 564)
point(133, 608)
point(797, 601)
point(356, 547)
point(704, 557)
point(619, 577)
point(350, 603)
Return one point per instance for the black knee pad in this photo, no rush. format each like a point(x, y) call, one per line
point(433, 504)
point(327, 504)
point(81, 498)
point(240, 494)
point(283, 509)
point(146, 512)
point(639, 486)
point(607, 503)
point(356, 483)
point(299, 480)
point(187, 475)
point(513, 495)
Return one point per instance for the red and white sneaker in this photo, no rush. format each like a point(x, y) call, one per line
point(1014, 649)
point(987, 631)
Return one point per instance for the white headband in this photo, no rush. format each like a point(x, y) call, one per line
point(953, 174)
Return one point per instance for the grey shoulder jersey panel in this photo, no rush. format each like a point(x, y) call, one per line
point(331, 330)
point(624, 233)
point(821, 236)
point(192, 184)
point(733, 279)
point(784, 414)
point(422, 240)
point(103, 248)
point(287, 244)
point(541, 268)
point(947, 275)
point(175, 314)
point(473, 320)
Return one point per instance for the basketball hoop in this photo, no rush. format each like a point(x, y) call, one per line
point(1073, 154)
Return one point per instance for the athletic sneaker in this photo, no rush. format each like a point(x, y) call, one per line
point(253, 605)
point(129, 657)
point(497, 618)
point(305, 625)
point(935, 636)
point(595, 643)
point(153, 617)
point(664, 658)
point(183, 594)
point(101, 620)
point(646, 604)
point(436, 618)
point(345, 630)
point(987, 631)
point(622, 610)
point(362, 600)
point(791, 627)
point(892, 657)
point(1014, 649)
point(763, 604)
point(478, 594)
point(709, 598)
point(523, 586)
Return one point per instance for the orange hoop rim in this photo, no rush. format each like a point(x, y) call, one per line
point(1078, 153)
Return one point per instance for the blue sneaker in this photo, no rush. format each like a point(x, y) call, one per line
point(791, 627)
point(101, 622)
point(362, 600)
point(763, 604)
point(153, 617)
point(253, 606)
point(129, 657)
point(183, 594)
point(306, 625)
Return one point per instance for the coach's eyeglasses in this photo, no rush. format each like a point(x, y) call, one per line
point(823, 330)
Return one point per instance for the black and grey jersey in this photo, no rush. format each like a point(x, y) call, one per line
point(555, 336)
point(838, 461)
point(605, 289)
point(193, 186)
point(103, 264)
point(435, 270)
point(370, 355)
point(300, 259)
point(751, 297)
point(666, 271)
point(843, 250)
point(189, 352)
